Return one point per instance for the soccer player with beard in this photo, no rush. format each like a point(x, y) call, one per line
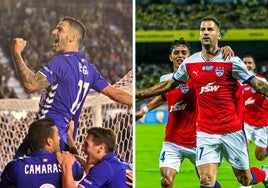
point(256, 113)
point(180, 134)
point(220, 107)
point(66, 78)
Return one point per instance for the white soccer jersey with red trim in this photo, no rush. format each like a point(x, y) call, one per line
point(219, 100)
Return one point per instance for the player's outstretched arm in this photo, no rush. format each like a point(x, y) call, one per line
point(154, 103)
point(260, 86)
point(117, 95)
point(30, 81)
point(158, 89)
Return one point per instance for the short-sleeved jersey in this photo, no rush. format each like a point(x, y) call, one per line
point(109, 172)
point(71, 77)
point(40, 169)
point(181, 124)
point(256, 106)
point(219, 101)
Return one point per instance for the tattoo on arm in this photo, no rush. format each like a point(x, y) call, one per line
point(31, 82)
point(260, 86)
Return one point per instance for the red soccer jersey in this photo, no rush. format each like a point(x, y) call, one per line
point(219, 101)
point(256, 106)
point(181, 125)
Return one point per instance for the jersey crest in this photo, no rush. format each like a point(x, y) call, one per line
point(184, 89)
point(219, 71)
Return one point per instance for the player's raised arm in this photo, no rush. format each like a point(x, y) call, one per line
point(158, 89)
point(259, 85)
point(30, 81)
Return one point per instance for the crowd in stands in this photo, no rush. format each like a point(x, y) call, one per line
point(109, 33)
point(176, 15)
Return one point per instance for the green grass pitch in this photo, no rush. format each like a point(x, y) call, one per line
point(148, 144)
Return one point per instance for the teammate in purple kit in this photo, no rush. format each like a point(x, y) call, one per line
point(107, 171)
point(40, 168)
point(220, 107)
point(66, 78)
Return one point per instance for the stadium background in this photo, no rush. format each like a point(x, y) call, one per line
point(244, 27)
point(108, 46)
point(108, 43)
point(158, 23)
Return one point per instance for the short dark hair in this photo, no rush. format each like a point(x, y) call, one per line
point(210, 18)
point(249, 56)
point(39, 131)
point(176, 43)
point(78, 25)
point(101, 135)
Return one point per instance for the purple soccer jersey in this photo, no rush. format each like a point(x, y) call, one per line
point(71, 77)
point(109, 172)
point(40, 169)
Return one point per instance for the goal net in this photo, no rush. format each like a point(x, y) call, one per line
point(99, 110)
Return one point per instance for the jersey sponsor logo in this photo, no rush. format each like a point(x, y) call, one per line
point(207, 68)
point(249, 101)
point(42, 168)
point(178, 106)
point(209, 88)
point(219, 71)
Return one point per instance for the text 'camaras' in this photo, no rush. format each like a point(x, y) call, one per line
point(42, 168)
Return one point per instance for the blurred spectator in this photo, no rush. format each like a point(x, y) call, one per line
point(243, 14)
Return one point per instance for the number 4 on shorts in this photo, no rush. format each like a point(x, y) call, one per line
point(162, 157)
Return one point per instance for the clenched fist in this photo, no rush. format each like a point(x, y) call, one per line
point(18, 45)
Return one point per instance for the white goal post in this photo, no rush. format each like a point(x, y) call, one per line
point(99, 110)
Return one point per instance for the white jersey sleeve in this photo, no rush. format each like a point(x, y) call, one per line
point(181, 73)
point(240, 71)
point(166, 77)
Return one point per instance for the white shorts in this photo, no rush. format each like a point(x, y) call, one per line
point(172, 155)
point(211, 148)
point(258, 134)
